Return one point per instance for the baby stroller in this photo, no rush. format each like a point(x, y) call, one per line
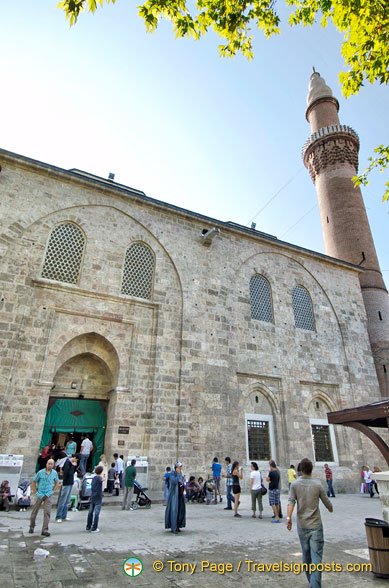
point(22, 497)
point(85, 492)
point(209, 491)
point(141, 497)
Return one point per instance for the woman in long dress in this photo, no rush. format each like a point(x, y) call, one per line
point(175, 514)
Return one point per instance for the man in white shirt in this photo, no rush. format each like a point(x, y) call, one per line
point(368, 481)
point(119, 468)
point(86, 448)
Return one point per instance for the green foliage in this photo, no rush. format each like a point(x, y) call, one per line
point(365, 24)
point(381, 162)
point(73, 8)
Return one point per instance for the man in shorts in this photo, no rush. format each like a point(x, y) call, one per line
point(274, 491)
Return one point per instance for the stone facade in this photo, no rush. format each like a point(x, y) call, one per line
point(185, 369)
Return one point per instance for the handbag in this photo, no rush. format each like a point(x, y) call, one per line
point(263, 490)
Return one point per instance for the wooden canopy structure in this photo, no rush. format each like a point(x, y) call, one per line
point(362, 418)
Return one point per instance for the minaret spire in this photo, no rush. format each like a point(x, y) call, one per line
point(331, 156)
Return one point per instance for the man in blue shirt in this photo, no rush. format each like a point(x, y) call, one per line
point(217, 471)
point(44, 484)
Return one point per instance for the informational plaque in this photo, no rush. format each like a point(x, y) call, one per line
point(123, 430)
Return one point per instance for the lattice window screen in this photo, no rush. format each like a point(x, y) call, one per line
point(259, 440)
point(302, 308)
point(64, 254)
point(260, 299)
point(138, 271)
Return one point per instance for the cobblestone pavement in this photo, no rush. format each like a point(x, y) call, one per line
point(84, 560)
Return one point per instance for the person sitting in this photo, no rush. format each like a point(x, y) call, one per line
point(192, 490)
point(201, 496)
point(5, 495)
point(23, 496)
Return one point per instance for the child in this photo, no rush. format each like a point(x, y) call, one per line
point(96, 501)
point(166, 480)
point(75, 494)
point(111, 479)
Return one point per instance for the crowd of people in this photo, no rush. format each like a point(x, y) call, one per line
point(67, 464)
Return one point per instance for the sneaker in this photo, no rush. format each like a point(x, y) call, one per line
point(58, 520)
point(30, 530)
point(276, 521)
point(95, 531)
point(67, 519)
point(45, 534)
point(228, 508)
point(88, 530)
point(237, 515)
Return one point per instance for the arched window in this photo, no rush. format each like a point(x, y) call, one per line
point(138, 271)
point(302, 308)
point(260, 299)
point(64, 254)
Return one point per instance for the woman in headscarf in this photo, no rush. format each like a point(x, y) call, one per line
point(175, 514)
point(23, 496)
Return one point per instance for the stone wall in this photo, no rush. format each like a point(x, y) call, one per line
point(184, 369)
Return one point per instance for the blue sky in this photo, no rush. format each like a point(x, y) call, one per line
point(169, 117)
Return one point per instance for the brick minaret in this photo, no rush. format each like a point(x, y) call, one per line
point(331, 156)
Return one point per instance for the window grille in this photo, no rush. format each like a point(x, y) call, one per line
point(260, 299)
point(258, 440)
point(302, 308)
point(322, 443)
point(64, 254)
point(138, 271)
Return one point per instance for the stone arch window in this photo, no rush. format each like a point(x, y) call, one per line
point(323, 442)
point(138, 271)
point(260, 299)
point(64, 254)
point(302, 308)
point(260, 438)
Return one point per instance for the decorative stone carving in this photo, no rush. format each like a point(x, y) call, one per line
point(328, 147)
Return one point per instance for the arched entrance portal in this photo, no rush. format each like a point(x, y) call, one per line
point(87, 369)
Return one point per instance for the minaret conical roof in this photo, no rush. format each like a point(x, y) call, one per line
point(317, 89)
